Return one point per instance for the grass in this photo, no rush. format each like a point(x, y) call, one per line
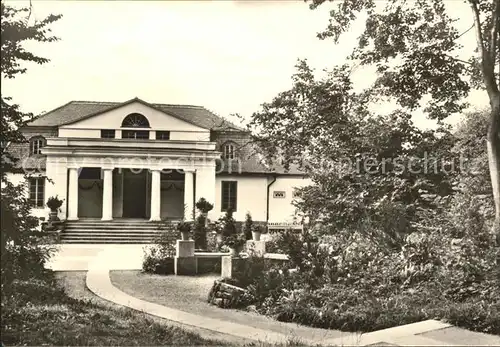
point(190, 294)
point(54, 318)
point(43, 314)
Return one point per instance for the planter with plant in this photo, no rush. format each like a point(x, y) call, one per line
point(204, 206)
point(231, 237)
point(54, 204)
point(257, 231)
point(185, 229)
point(247, 227)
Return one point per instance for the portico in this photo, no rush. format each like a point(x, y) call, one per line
point(130, 182)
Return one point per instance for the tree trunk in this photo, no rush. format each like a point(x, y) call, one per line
point(493, 147)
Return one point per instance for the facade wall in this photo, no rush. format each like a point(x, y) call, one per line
point(281, 208)
point(251, 197)
point(17, 179)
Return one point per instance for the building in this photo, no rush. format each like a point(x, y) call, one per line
point(138, 160)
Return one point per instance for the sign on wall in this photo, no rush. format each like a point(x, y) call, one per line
point(279, 194)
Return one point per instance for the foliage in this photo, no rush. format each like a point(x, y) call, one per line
point(247, 227)
point(204, 206)
point(22, 255)
point(42, 314)
point(54, 203)
point(200, 232)
point(232, 236)
point(346, 281)
point(159, 257)
point(15, 31)
point(184, 226)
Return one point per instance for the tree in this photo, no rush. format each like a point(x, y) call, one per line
point(15, 30)
point(21, 254)
point(413, 45)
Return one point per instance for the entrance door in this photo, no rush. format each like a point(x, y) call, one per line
point(134, 194)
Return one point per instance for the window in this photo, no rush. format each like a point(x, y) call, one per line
point(135, 120)
point(228, 151)
point(135, 134)
point(163, 135)
point(37, 189)
point(107, 134)
point(36, 144)
point(229, 195)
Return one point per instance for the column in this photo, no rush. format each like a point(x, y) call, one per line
point(188, 194)
point(155, 195)
point(107, 195)
point(73, 194)
point(205, 186)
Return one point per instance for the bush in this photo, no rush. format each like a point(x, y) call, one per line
point(441, 268)
point(159, 258)
point(23, 256)
point(247, 227)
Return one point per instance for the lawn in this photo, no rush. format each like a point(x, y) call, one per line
point(45, 315)
point(189, 293)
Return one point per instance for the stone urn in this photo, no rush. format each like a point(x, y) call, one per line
point(233, 252)
point(256, 233)
point(185, 235)
point(53, 216)
point(184, 228)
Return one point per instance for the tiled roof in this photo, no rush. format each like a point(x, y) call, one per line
point(77, 110)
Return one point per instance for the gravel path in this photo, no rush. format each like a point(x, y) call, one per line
point(189, 294)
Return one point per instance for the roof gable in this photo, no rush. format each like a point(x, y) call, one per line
point(75, 111)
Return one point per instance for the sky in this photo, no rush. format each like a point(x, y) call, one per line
point(229, 56)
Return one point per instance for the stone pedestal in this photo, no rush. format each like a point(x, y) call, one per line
point(256, 248)
point(185, 266)
point(184, 248)
point(226, 266)
point(184, 261)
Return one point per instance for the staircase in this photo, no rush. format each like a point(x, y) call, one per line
point(116, 231)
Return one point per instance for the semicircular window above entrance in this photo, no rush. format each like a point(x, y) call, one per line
point(135, 120)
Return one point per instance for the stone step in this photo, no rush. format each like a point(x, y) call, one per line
point(107, 235)
point(110, 234)
point(106, 241)
point(115, 230)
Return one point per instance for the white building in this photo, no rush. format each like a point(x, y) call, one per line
point(137, 160)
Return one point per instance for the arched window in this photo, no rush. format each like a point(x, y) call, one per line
point(36, 144)
point(229, 150)
point(135, 120)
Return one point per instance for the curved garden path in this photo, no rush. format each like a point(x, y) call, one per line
point(184, 296)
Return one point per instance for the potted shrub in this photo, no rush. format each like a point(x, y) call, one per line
point(185, 229)
point(247, 227)
point(231, 238)
point(257, 232)
point(54, 203)
point(235, 244)
point(204, 206)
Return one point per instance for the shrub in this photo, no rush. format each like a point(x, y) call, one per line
point(23, 256)
point(159, 258)
point(231, 235)
point(204, 206)
point(200, 232)
point(54, 203)
point(441, 268)
point(247, 227)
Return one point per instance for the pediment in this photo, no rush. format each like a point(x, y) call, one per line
point(114, 117)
